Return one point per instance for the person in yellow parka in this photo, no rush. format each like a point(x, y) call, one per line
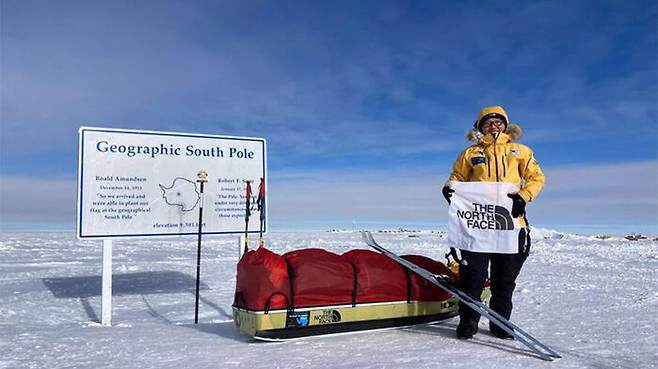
point(495, 157)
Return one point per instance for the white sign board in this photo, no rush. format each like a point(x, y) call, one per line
point(144, 183)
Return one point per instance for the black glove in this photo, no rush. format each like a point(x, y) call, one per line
point(518, 206)
point(447, 193)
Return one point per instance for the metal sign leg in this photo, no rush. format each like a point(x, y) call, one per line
point(106, 289)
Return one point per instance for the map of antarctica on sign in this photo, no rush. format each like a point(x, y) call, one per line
point(183, 193)
point(144, 183)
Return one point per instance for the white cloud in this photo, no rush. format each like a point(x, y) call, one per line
point(37, 200)
point(585, 194)
point(296, 81)
point(621, 193)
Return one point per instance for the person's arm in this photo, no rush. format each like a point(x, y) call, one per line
point(461, 170)
point(533, 176)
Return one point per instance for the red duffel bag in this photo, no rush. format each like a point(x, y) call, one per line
point(379, 278)
point(421, 288)
point(320, 278)
point(262, 281)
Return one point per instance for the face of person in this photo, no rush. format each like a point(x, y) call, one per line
point(493, 126)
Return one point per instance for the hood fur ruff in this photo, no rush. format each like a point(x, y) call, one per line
point(514, 131)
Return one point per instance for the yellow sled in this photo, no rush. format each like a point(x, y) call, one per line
point(301, 322)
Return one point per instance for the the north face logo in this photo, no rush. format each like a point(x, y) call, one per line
point(503, 218)
point(485, 216)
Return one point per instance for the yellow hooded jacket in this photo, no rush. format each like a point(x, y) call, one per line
point(499, 159)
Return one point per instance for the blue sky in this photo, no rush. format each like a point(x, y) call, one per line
point(364, 104)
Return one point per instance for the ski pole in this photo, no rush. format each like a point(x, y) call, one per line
point(246, 217)
point(261, 208)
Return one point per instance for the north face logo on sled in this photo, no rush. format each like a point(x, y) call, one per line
point(326, 317)
point(486, 216)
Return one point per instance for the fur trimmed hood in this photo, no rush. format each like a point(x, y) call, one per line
point(514, 132)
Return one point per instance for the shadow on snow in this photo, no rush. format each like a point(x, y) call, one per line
point(142, 283)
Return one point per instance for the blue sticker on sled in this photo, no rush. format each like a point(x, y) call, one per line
point(297, 319)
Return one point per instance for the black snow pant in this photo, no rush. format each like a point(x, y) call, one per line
point(504, 270)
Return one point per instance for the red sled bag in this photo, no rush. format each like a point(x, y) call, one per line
point(379, 278)
point(421, 288)
point(320, 278)
point(262, 281)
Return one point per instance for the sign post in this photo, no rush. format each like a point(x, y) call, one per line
point(106, 284)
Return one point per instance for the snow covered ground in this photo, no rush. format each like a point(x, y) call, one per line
point(594, 301)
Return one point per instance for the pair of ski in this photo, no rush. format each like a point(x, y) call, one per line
point(446, 284)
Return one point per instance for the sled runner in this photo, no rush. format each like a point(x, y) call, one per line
point(312, 291)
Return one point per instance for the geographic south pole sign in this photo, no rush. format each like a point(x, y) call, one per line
point(143, 183)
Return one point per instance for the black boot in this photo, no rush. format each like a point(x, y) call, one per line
point(499, 332)
point(467, 328)
point(472, 274)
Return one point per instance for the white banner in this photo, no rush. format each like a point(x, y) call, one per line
point(480, 220)
point(144, 183)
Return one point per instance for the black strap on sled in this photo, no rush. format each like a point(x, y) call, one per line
point(267, 302)
point(291, 277)
point(239, 296)
point(408, 277)
point(354, 272)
